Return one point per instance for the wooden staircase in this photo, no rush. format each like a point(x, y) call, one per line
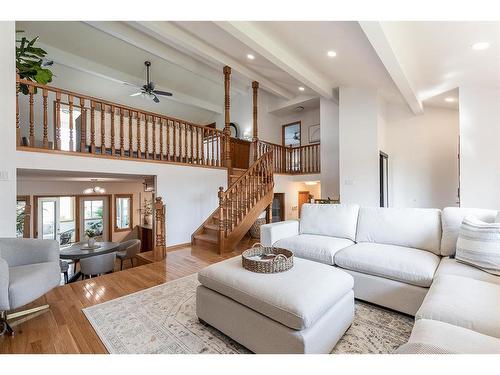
point(249, 194)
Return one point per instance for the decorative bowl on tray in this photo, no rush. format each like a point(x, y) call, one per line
point(263, 259)
point(94, 247)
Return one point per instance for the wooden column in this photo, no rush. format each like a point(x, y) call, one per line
point(160, 249)
point(255, 139)
point(227, 122)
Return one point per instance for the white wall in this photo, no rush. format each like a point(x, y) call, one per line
point(423, 150)
point(479, 147)
point(307, 119)
point(290, 186)
point(358, 135)
point(8, 133)
point(329, 129)
point(189, 193)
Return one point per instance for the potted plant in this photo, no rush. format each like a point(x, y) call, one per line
point(30, 62)
point(147, 211)
point(91, 234)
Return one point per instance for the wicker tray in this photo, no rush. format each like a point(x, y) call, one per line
point(262, 259)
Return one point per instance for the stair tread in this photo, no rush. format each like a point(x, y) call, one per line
point(211, 226)
point(207, 237)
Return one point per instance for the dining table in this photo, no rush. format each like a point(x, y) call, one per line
point(81, 250)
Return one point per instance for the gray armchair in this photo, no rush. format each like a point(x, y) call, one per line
point(29, 268)
point(128, 250)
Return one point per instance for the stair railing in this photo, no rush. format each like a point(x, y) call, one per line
point(244, 193)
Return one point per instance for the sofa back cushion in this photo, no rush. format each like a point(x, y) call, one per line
point(419, 228)
point(452, 218)
point(335, 220)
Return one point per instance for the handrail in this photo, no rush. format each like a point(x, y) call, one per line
point(109, 129)
point(294, 160)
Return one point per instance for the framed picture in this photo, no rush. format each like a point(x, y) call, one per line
point(314, 134)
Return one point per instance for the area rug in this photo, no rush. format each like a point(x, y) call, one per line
point(162, 319)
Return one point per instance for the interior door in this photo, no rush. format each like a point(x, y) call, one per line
point(48, 219)
point(94, 214)
point(303, 198)
point(384, 179)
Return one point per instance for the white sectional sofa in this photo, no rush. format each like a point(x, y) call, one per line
point(400, 259)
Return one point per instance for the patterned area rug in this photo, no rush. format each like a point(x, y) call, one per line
point(162, 319)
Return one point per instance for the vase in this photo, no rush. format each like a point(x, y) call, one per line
point(91, 242)
point(148, 220)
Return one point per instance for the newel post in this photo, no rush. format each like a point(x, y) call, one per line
point(227, 116)
point(255, 88)
point(160, 249)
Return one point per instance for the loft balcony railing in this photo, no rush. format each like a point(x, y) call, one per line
point(292, 160)
point(56, 120)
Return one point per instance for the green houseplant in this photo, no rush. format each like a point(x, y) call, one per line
point(91, 234)
point(29, 62)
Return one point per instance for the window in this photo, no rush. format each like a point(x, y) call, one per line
point(23, 209)
point(123, 212)
point(93, 211)
point(291, 134)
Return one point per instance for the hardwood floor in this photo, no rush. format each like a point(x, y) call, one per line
point(65, 329)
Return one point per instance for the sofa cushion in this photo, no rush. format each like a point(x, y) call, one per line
point(411, 266)
point(478, 245)
point(450, 338)
point(318, 248)
point(452, 218)
point(449, 266)
point(464, 302)
point(27, 283)
point(296, 298)
point(334, 220)
point(419, 228)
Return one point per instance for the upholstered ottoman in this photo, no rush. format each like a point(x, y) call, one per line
point(304, 310)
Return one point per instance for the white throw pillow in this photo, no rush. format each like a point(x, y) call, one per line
point(478, 245)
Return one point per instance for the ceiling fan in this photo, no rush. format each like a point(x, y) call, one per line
point(148, 90)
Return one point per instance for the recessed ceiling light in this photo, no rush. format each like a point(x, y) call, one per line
point(479, 46)
point(301, 88)
point(331, 53)
point(449, 100)
point(250, 57)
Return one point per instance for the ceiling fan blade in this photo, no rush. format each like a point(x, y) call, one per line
point(162, 93)
point(136, 94)
point(155, 99)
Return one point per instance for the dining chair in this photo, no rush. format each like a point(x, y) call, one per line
point(97, 265)
point(128, 250)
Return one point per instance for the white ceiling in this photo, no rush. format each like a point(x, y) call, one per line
point(437, 56)
point(431, 58)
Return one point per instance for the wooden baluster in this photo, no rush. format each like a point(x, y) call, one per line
point(58, 120)
point(71, 127)
point(222, 228)
point(186, 143)
point(318, 158)
point(212, 144)
point(130, 147)
point(198, 145)
point(92, 127)
point(203, 146)
point(161, 138)
point(168, 139)
point(139, 131)
point(174, 136)
point(122, 149)
point(83, 125)
point(113, 146)
point(153, 124)
point(45, 141)
point(18, 127)
point(31, 90)
point(146, 137)
point(103, 129)
point(191, 130)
